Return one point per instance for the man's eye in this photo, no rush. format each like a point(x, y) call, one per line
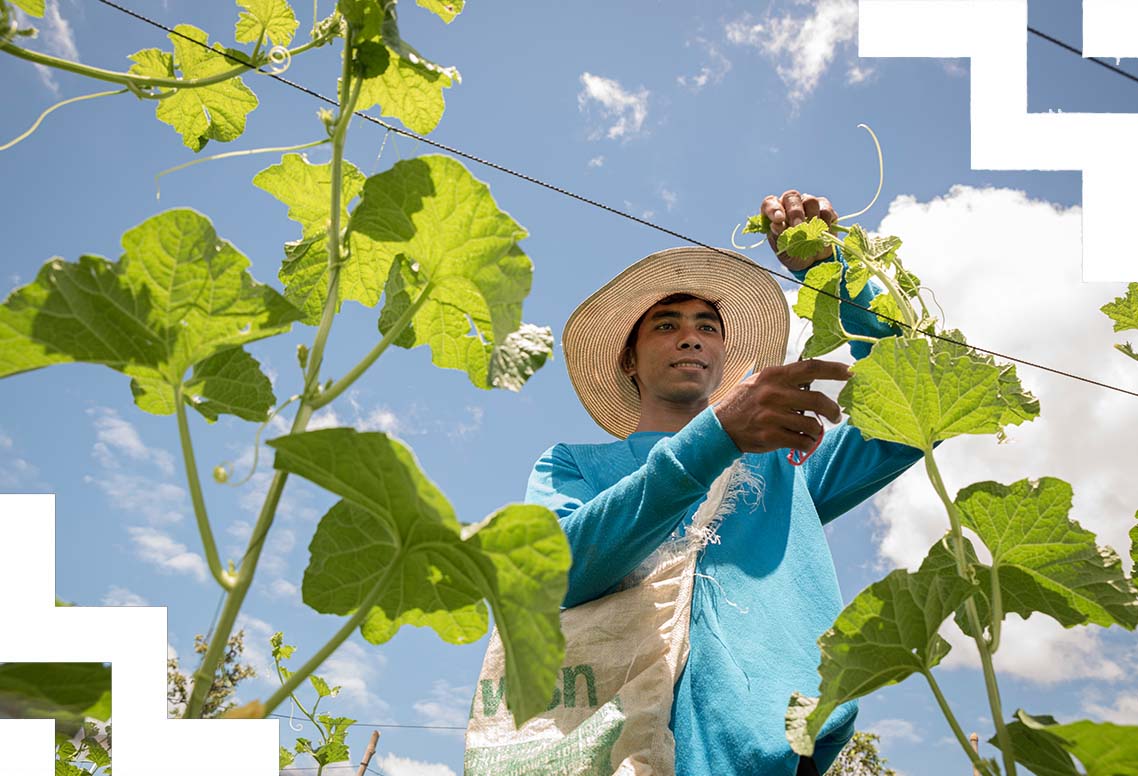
point(663, 325)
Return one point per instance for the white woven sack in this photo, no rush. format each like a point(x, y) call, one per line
point(610, 709)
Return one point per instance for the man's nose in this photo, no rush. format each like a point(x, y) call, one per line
point(690, 342)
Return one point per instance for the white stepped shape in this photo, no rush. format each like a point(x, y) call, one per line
point(993, 34)
point(133, 640)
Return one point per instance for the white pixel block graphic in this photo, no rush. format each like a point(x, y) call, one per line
point(993, 34)
point(133, 641)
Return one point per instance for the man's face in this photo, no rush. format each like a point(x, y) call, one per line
point(678, 355)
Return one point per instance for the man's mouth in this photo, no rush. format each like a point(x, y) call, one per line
point(690, 363)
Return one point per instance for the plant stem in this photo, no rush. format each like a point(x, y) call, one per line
point(973, 614)
point(223, 578)
point(393, 333)
point(203, 677)
point(59, 104)
point(902, 301)
point(133, 79)
point(333, 643)
point(952, 723)
point(232, 154)
point(997, 610)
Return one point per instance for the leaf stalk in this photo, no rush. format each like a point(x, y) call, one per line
point(962, 567)
point(957, 731)
point(203, 677)
point(224, 578)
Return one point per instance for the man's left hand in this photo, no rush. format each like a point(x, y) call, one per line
point(791, 209)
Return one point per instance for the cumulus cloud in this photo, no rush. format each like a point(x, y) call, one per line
point(624, 111)
point(115, 437)
point(1039, 650)
point(120, 596)
point(671, 198)
point(802, 45)
point(597, 161)
point(394, 765)
point(1006, 270)
point(54, 37)
point(1123, 711)
point(715, 66)
point(354, 667)
point(893, 730)
point(447, 705)
point(166, 553)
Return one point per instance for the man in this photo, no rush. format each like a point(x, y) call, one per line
point(665, 377)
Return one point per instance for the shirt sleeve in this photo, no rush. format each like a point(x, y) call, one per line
point(610, 532)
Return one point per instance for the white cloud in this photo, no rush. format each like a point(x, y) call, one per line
point(394, 765)
point(115, 435)
point(712, 71)
point(5, 441)
point(447, 705)
point(857, 74)
point(17, 473)
point(1039, 650)
point(120, 596)
point(802, 47)
point(671, 198)
point(282, 588)
point(744, 31)
point(257, 650)
point(325, 418)
point(1018, 291)
point(892, 730)
point(161, 503)
point(597, 161)
point(352, 667)
point(162, 550)
point(382, 419)
point(624, 109)
point(470, 425)
point(1124, 710)
point(54, 37)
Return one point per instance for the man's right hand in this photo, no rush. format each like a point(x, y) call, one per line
point(765, 411)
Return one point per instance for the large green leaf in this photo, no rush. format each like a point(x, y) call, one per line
point(178, 296)
point(274, 18)
point(1041, 753)
point(65, 692)
point(1124, 312)
point(910, 392)
point(821, 309)
point(214, 112)
point(1103, 748)
point(887, 633)
point(393, 524)
point(405, 84)
point(445, 9)
point(459, 248)
point(306, 189)
point(1046, 562)
point(805, 240)
point(30, 7)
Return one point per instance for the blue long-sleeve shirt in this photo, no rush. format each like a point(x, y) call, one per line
point(754, 629)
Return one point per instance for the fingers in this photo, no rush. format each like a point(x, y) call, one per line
point(792, 204)
point(816, 369)
point(819, 207)
point(816, 401)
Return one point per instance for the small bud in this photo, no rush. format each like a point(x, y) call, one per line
point(302, 356)
point(220, 474)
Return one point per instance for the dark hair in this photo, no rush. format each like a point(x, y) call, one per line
point(630, 343)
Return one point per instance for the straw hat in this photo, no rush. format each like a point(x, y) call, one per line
point(756, 325)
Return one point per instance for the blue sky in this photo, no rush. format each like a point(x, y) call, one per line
point(684, 115)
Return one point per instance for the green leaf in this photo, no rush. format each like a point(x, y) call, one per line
point(910, 392)
point(30, 7)
point(281, 651)
point(1103, 748)
point(909, 283)
point(1046, 562)
point(321, 686)
point(805, 240)
point(394, 527)
point(306, 189)
point(285, 758)
point(1134, 547)
point(65, 692)
point(444, 9)
point(520, 355)
point(887, 310)
point(214, 112)
point(859, 245)
point(178, 296)
point(888, 632)
point(460, 249)
point(230, 382)
point(274, 18)
point(857, 275)
point(1124, 312)
point(1038, 751)
point(821, 310)
point(759, 224)
point(405, 84)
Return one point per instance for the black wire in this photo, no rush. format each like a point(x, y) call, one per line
point(1072, 49)
point(621, 213)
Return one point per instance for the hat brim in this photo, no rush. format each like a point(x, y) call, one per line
point(756, 322)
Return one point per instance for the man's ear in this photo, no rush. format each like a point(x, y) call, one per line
point(628, 362)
